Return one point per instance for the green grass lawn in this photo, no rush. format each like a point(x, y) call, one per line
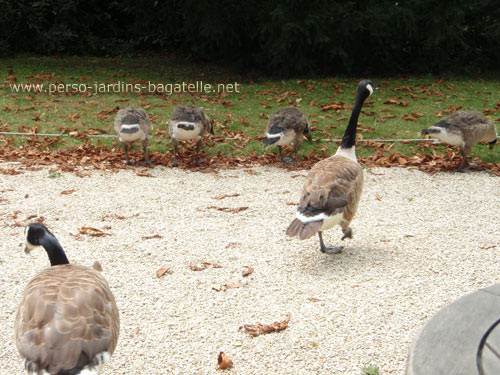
point(399, 109)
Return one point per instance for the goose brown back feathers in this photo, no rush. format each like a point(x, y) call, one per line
point(66, 317)
point(333, 186)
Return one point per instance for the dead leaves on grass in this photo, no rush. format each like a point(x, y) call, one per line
point(258, 329)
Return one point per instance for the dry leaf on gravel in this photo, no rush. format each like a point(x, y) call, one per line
point(162, 271)
point(255, 330)
point(203, 266)
point(66, 192)
point(93, 232)
point(247, 271)
point(224, 361)
point(487, 246)
point(226, 196)
point(233, 210)
point(313, 299)
point(112, 216)
point(379, 198)
point(197, 267)
point(151, 237)
point(10, 171)
point(228, 284)
point(143, 173)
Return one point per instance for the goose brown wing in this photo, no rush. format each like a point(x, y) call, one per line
point(287, 118)
point(67, 316)
point(331, 187)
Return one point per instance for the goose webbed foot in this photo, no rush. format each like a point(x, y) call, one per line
point(463, 170)
point(331, 249)
point(347, 233)
point(175, 164)
point(288, 161)
point(328, 249)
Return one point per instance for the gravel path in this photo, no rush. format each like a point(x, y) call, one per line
point(420, 241)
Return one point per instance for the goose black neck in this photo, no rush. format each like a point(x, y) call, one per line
point(349, 138)
point(54, 250)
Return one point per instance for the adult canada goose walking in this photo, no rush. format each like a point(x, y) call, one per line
point(132, 124)
point(464, 129)
point(333, 187)
point(67, 322)
point(188, 122)
point(287, 125)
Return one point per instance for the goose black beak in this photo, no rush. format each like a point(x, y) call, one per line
point(27, 249)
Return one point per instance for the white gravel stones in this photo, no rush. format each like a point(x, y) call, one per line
point(427, 241)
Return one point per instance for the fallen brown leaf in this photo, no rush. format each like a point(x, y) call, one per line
point(224, 361)
point(197, 267)
point(151, 237)
point(66, 192)
point(143, 173)
point(10, 171)
point(162, 271)
point(226, 196)
point(255, 330)
point(247, 271)
point(93, 232)
point(228, 284)
point(203, 266)
point(232, 210)
point(487, 246)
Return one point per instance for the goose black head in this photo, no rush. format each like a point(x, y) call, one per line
point(37, 234)
point(34, 233)
point(365, 88)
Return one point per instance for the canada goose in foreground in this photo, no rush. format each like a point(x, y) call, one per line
point(464, 129)
point(287, 125)
point(132, 124)
point(333, 187)
point(67, 322)
point(188, 122)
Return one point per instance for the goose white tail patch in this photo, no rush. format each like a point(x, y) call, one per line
point(328, 221)
point(277, 135)
point(446, 137)
point(131, 133)
point(94, 371)
point(100, 359)
point(181, 133)
point(349, 153)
